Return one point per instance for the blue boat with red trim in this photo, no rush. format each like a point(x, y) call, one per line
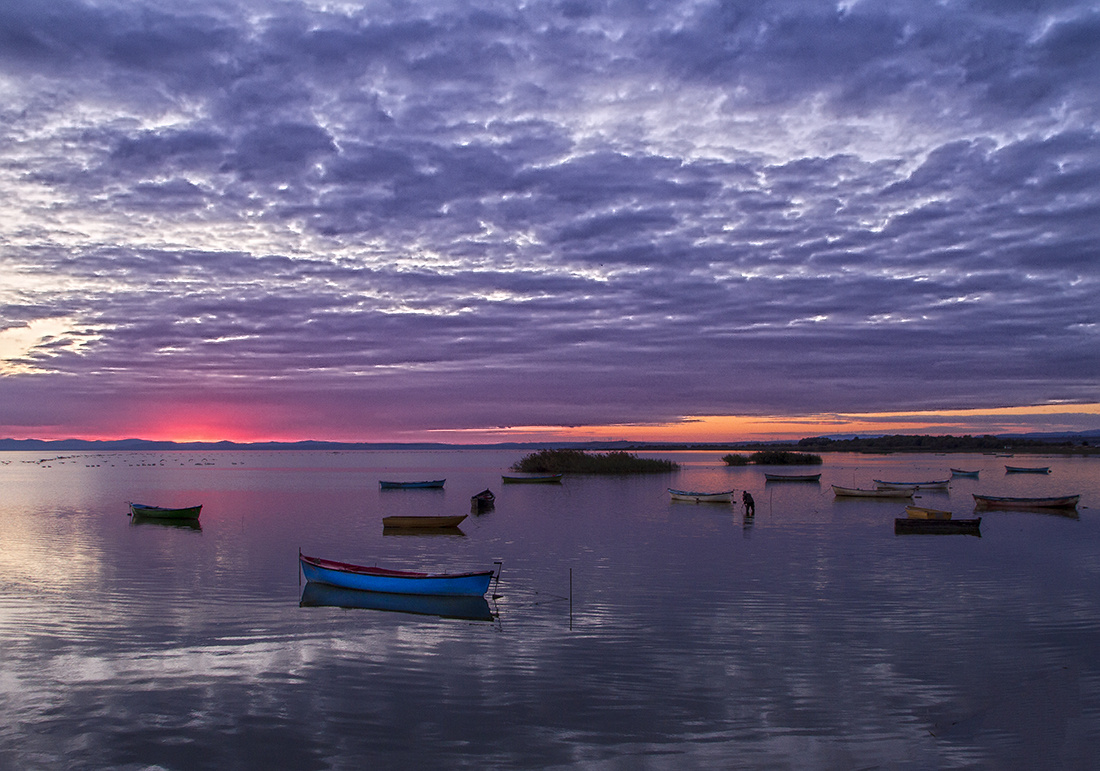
point(375, 579)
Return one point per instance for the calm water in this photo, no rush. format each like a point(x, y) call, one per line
point(631, 631)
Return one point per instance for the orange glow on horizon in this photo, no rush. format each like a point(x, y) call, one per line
point(226, 423)
point(730, 428)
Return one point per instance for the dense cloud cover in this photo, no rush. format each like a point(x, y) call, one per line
point(352, 221)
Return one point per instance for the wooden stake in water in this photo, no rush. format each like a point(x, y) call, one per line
point(570, 599)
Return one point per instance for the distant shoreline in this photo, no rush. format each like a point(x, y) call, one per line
point(1075, 444)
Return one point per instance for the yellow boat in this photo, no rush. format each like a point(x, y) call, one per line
point(920, 512)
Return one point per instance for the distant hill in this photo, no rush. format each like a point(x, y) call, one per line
point(949, 443)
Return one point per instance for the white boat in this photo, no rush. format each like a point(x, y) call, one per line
point(938, 484)
point(791, 477)
point(1054, 502)
point(698, 497)
point(859, 492)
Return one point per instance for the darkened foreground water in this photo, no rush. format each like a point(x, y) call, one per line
point(812, 637)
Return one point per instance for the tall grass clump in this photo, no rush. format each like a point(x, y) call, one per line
point(784, 458)
point(580, 462)
point(735, 459)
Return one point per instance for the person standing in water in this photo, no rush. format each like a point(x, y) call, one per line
point(750, 504)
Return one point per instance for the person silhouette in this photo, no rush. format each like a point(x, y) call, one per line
point(750, 504)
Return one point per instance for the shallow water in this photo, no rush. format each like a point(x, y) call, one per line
point(630, 631)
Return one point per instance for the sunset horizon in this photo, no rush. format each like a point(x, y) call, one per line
point(554, 221)
point(1047, 419)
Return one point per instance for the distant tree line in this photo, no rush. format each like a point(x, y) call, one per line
point(904, 442)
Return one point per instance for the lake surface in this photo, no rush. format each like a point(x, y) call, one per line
point(630, 631)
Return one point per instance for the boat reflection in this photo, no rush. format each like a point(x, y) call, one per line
point(178, 524)
point(1044, 510)
point(317, 595)
point(454, 531)
point(933, 526)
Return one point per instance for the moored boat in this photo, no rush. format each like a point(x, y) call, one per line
point(907, 526)
point(160, 512)
point(921, 512)
point(421, 485)
point(859, 492)
point(938, 484)
point(423, 521)
point(958, 472)
point(482, 501)
point(1052, 502)
point(700, 497)
point(1027, 469)
point(531, 478)
point(791, 477)
point(375, 579)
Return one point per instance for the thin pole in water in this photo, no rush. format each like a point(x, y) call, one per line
point(570, 599)
point(496, 580)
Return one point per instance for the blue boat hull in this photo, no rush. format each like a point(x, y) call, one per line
point(366, 579)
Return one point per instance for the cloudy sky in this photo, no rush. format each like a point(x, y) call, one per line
point(473, 221)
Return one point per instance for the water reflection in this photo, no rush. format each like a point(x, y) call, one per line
point(178, 524)
point(317, 595)
point(635, 632)
point(451, 531)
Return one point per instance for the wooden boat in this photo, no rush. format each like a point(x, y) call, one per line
point(1027, 469)
point(423, 521)
point(859, 492)
point(920, 512)
point(791, 477)
point(482, 501)
point(908, 526)
point(375, 579)
point(316, 595)
point(958, 472)
point(431, 484)
point(159, 512)
point(939, 484)
point(531, 479)
point(1054, 502)
point(698, 497)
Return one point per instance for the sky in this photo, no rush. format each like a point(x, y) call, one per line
point(497, 221)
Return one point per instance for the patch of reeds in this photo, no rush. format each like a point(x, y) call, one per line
point(774, 458)
point(580, 462)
